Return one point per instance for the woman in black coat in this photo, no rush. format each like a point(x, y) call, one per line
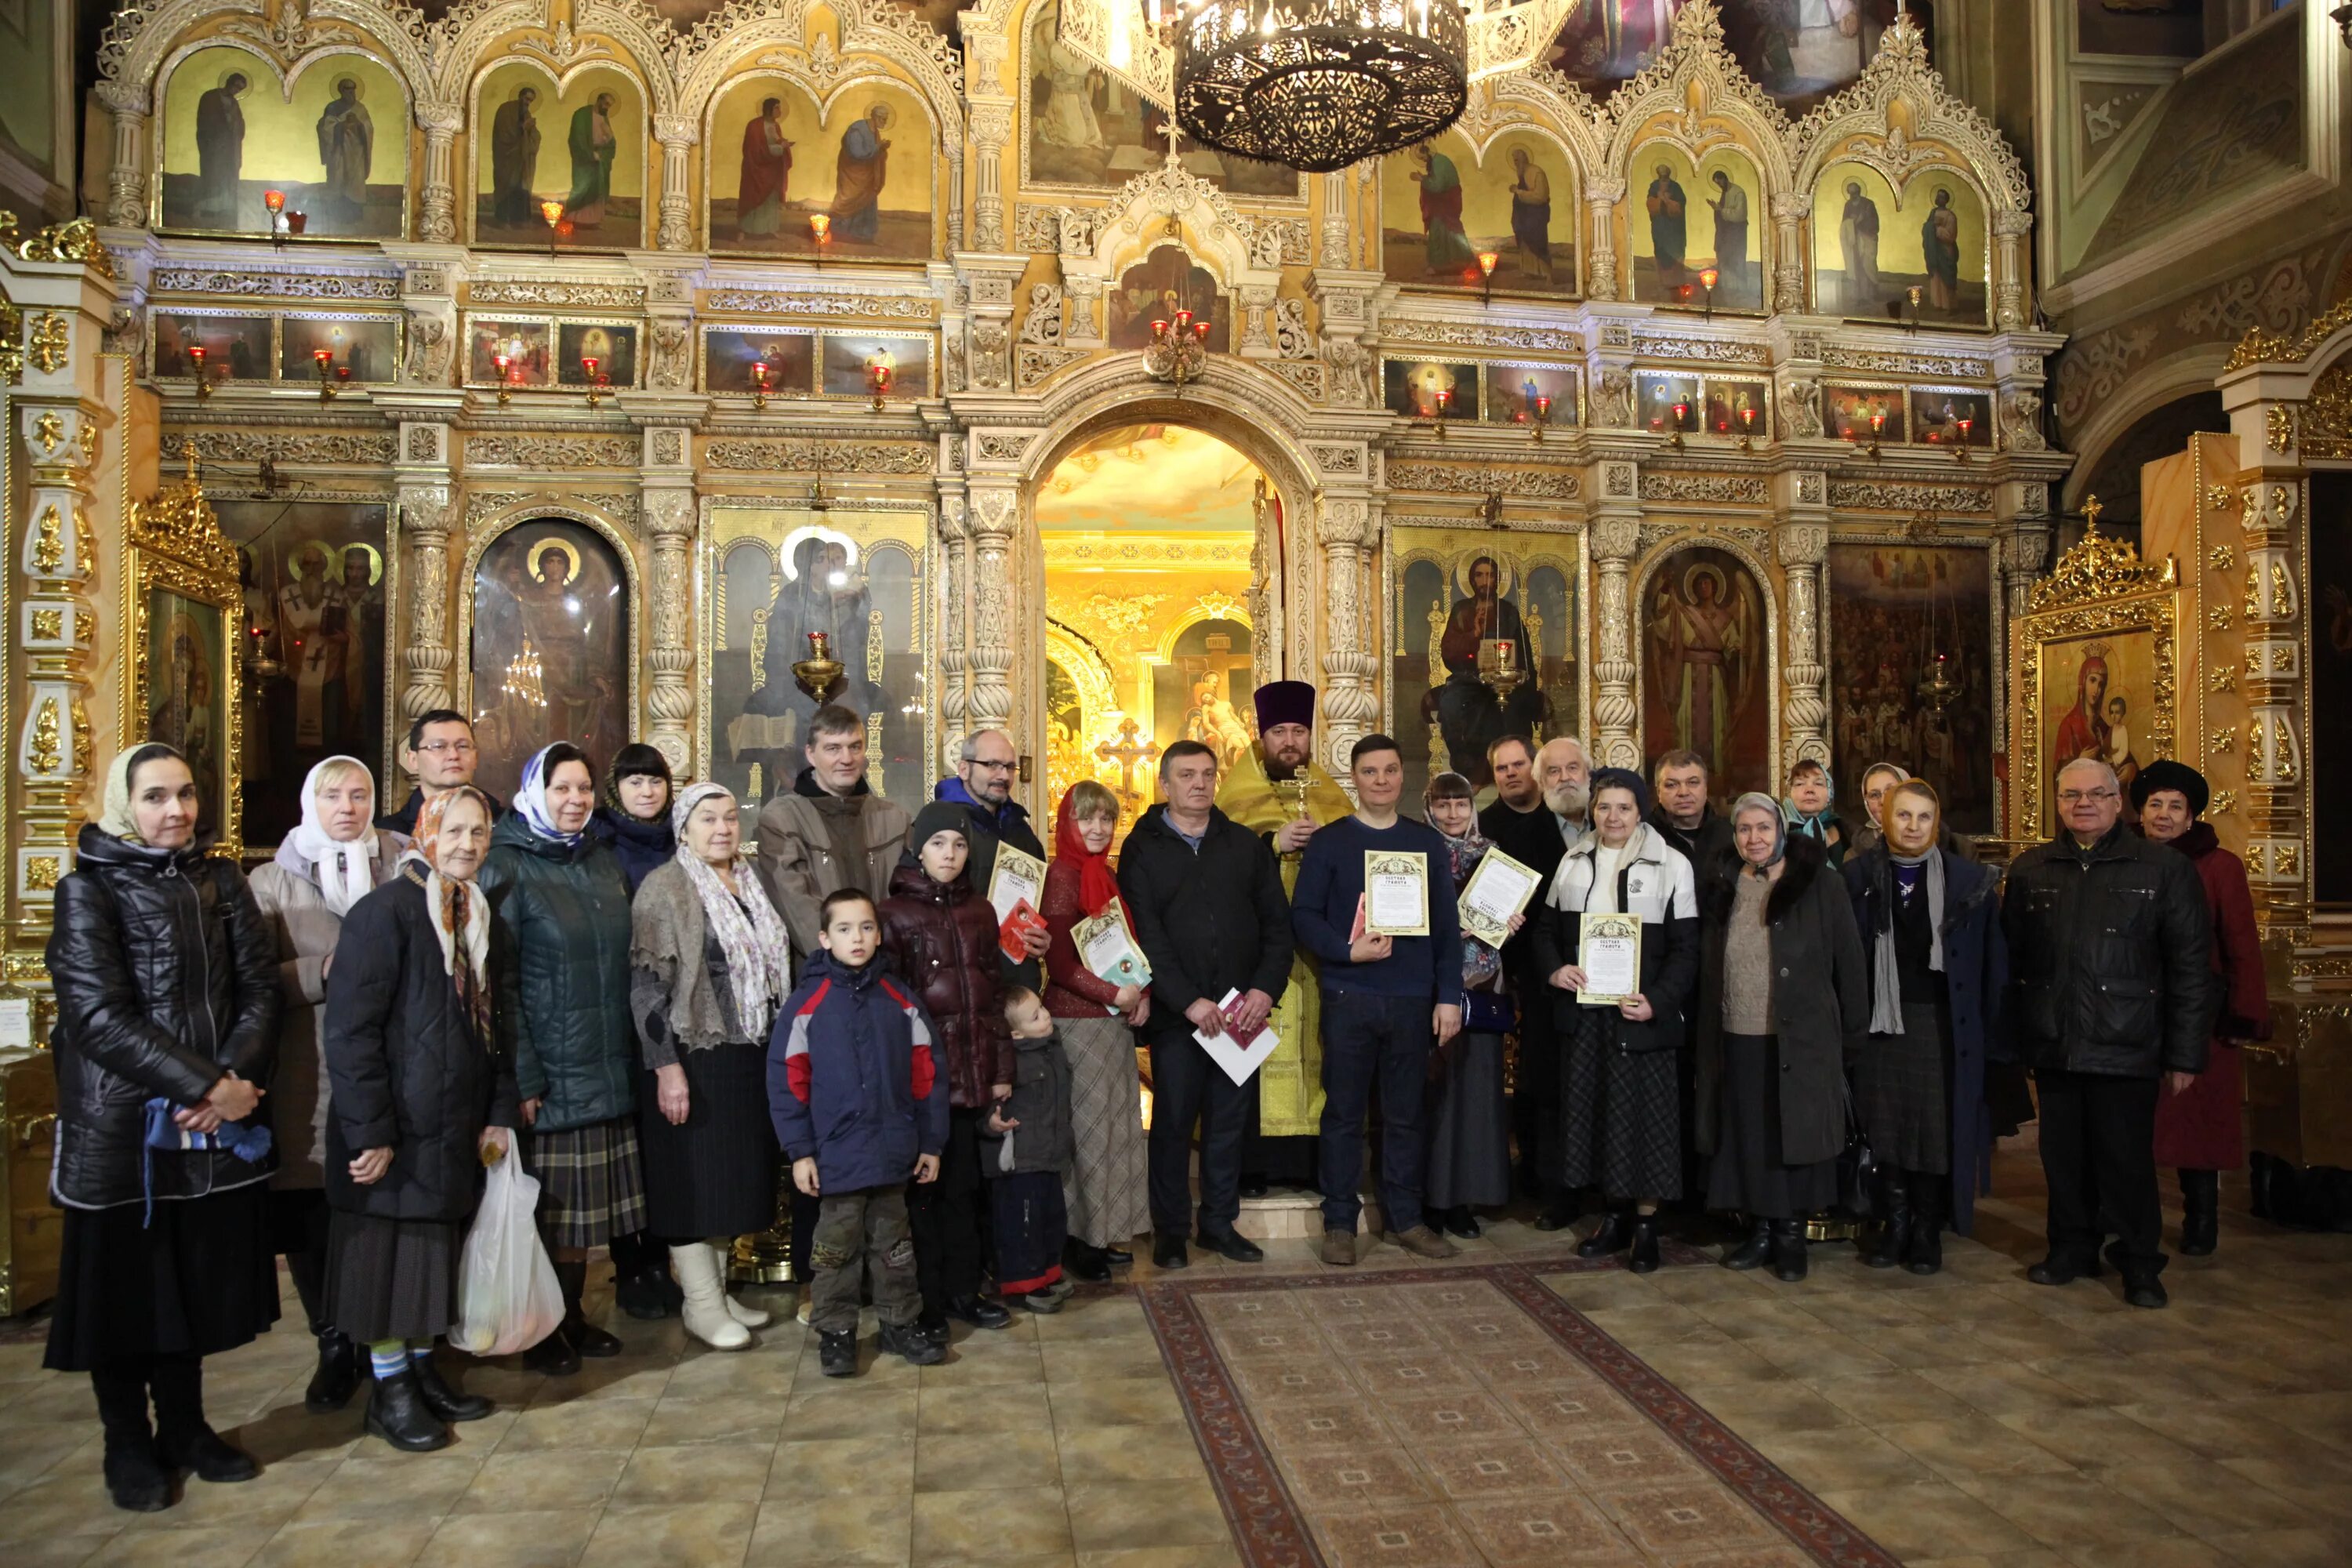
point(1782, 1002)
point(419, 1097)
point(167, 998)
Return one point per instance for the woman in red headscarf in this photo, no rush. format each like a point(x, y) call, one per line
point(1104, 1188)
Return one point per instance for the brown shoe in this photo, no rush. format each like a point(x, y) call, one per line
point(1423, 1242)
point(1339, 1247)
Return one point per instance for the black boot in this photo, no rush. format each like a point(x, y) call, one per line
point(2259, 1173)
point(1788, 1250)
point(1081, 1262)
point(1462, 1222)
point(1615, 1234)
point(135, 1477)
point(836, 1351)
point(978, 1311)
point(397, 1413)
point(443, 1400)
point(1643, 1258)
point(2141, 1286)
point(1895, 1234)
point(182, 1438)
point(1924, 1254)
point(584, 1337)
point(642, 1284)
point(552, 1356)
point(1753, 1253)
point(338, 1378)
point(904, 1340)
point(2200, 1212)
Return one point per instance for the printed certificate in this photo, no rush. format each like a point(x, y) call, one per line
point(1396, 893)
point(1499, 889)
point(1019, 878)
point(1108, 948)
point(1609, 951)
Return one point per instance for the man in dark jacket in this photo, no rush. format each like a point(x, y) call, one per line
point(2110, 989)
point(1205, 896)
point(830, 830)
point(1685, 819)
point(985, 770)
point(441, 756)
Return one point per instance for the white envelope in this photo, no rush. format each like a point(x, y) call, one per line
point(1238, 1061)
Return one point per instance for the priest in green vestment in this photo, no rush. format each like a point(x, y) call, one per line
point(1277, 791)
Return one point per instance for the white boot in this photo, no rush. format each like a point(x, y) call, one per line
point(750, 1317)
point(696, 1268)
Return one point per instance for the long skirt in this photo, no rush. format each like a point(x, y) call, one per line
point(1749, 1176)
point(1902, 1091)
point(2204, 1127)
point(715, 1176)
point(1105, 1188)
point(1469, 1129)
point(1621, 1123)
point(199, 1279)
point(392, 1278)
point(590, 1188)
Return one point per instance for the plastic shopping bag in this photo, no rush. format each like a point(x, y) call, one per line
point(507, 1297)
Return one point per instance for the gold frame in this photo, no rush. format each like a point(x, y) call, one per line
point(2100, 586)
point(174, 542)
point(488, 531)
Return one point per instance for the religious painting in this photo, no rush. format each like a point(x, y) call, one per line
point(1156, 287)
point(315, 679)
point(1911, 671)
point(1084, 128)
point(2098, 701)
point(1443, 203)
point(1800, 51)
point(526, 342)
point(728, 352)
point(551, 653)
point(1921, 258)
point(2331, 670)
point(335, 145)
point(580, 143)
point(1200, 692)
point(236, 346)
point(612, 345)
point(1943, 418)
point(1484, 644)
point(1862, 413)
point(1657, 394)
point(31, 124)
point(1686, 221)
point(1707, 668)
point(849, 359)
point(185, 691)
point(1737, 407)
point(1516, 394)
point(772, 577)
point(1412, 387)
point(854, 178)
point(359, 349)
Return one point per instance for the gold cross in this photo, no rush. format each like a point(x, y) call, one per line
point(1127, 755)
point(2092, 507)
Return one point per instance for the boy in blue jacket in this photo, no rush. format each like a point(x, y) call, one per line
point(860, 1105)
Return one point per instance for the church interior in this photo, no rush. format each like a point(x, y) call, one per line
point(1964, 384)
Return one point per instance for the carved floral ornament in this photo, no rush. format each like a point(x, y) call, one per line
point(2098, 568)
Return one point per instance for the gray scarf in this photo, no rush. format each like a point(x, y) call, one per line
point(1886, 976)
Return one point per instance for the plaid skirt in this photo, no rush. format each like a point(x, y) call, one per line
point(590, 1186)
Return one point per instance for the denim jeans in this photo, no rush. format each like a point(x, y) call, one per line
point(1369, 1039)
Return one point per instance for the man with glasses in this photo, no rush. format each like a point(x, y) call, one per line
point(982, 786)
point(2110, 990)
point(440, 752)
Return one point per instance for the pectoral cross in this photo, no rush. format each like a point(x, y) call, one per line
point(1127, 754)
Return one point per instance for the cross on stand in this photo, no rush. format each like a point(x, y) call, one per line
point(1127, 754)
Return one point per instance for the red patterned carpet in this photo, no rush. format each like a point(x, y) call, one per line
point(1430, 1417)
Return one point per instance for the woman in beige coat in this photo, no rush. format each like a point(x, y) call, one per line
point(324, 867)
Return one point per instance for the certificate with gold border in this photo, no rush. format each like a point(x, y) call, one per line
point(1609, 951)
point(1396, 893)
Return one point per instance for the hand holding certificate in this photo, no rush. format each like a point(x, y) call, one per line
point(1498, 890)
point(1396, 893)
point(1019, 878)
point(1238, 1057)
point(1609, 951)
point(1108, 948)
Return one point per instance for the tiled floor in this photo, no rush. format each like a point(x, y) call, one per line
point(1969, 1418)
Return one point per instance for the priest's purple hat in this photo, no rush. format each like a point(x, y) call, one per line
point(1285, 702)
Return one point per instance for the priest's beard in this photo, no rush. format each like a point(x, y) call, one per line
point(1568, 799)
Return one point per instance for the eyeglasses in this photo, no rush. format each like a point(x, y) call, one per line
point(448, 748)
point(2077, 796)
point(984, 765)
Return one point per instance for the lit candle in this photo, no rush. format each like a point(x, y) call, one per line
point(821, 225)
point(1487, 260)
point(1707, 275)
point(275, 201)
point(1543, 407)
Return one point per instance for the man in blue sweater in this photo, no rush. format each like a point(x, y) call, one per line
point(1388, 1001)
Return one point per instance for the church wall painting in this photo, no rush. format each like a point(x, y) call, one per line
point(1442, 203)
point(613, 345)
point(1083, 128)
point(1707, 668)
point(581, 142)
point(779, 168)
point(1893, 609)
point(1847, 411)
point(1410, 387)
point(1201, 691)
point(1451, 590)
point(1657, 394)
point(728, 352)
point(237, 344)
point(1164, 283)
point(335, 140)
point(315, 682)
point(529, 343)
point(1512, 391)
point(2098, 700)
point(184, 689)
point(1684, 220)
point(1797, 52)
point(367, 347)
point(550, 652)
point(772, 575)
point(1736, 407)
point(1870, 247)
point(1948, 417)
point(845, 356)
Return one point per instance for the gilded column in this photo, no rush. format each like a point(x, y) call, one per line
point(126, 174)
point(1334, 252)
point(2273, 613)
point(677, 134)
point(1600, 199)
point(2011, 225)
point(669, 513)
point(1789, 210)
point(991, 127)
point(1350, 703)
point(955, 663)
point(1613, 541)
point(994, 512)
point(437, 222)
point(426, 495)
point(1801, 548)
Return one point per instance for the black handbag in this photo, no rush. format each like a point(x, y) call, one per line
point(1488, 1013)
point(1857, 1167)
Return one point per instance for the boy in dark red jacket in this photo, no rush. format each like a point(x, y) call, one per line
point(860, 1105)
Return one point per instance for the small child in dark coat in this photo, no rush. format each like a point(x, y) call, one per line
point(1024, 1149)
point(859, 1104)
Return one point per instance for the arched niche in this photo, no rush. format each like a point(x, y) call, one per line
point(581, 137)
point(850, 170)
point(1666, 590)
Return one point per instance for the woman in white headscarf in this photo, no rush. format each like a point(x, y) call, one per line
point(710, 962)
point(335, 858)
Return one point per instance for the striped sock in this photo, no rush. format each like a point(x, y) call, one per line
point(390, 1356)
point(420, 1352)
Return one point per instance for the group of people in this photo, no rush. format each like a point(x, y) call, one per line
point(319, 1060)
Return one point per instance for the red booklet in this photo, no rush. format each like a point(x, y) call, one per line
point(1008, 936)
point(1229, 1009)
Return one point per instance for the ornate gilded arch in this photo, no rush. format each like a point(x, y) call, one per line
point(492, 525)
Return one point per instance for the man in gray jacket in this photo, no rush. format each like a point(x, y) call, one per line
point(829, 831)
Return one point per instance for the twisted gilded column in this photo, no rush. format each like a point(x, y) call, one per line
point(677, 135)
point(1600, 199)
point(426, 512)
point(126, 173)
point(2272, 610)
point(56, 554)
point(2010, 227)
point(994, 513)
point(1613, 541)
point(955, 662)
point(991, 127)
point(1343, 527)
point(1789, 211)
point(436, 221)
point(669, 707)
point(1801, 548)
